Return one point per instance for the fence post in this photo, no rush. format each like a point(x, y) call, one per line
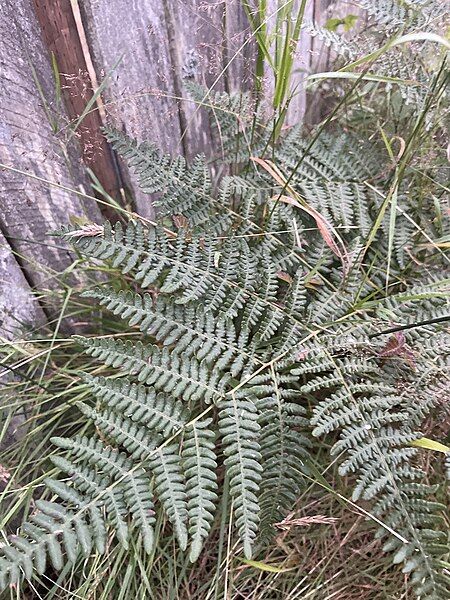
point(61, 37)
point(38, 167)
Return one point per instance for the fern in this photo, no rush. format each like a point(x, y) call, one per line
point(330, 39)
point(251, 342)
point(232, 119)
point(199, 465)
point(284, 446)
point(171, 489)
point(411, 70)
point(156, 411)
point(189, 329)
point(178, 189)
point(239, 429)
point(376, 426)
point(396, 13)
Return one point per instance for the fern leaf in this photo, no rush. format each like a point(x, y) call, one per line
point(170, 487)
point(190, 330)
point(184, 190)
point(239, 429)
point(71, 496)
point(284, 448)
point(127, 490)
point(376, 429)
point(199, 465)
point(185, 378)
point(191, 270)
point(143, 405)
point(51, 531)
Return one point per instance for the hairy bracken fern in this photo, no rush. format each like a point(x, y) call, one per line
point(252, 341)
point(406, 71)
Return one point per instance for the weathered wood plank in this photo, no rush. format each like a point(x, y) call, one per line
point(162, 42)
point(322, 55)
point(301, 69)
point(30, 208)
point(140, 97)
point(240, 49)
point(196, 30)
point(62, 40)
point(19, 308)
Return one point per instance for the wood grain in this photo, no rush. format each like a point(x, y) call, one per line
point(30, 208)
point(140, 97)
point(144, 49)
point(161, 43)
point(61, 38)
point(19, 308)
point(240, 49)
point(196, 35)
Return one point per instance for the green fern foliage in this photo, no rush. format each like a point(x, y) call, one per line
point(156, 411)
point(238, 426)
point(284, 446)
point(252, 340)
point(232, 117)
point(199, 463)
point(376, 426)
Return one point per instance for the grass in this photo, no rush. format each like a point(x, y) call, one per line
point(276, 47)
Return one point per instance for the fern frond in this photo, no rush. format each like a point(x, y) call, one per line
point(51, 531)
point(199, 466)
point(189, 330)
point(231, 117)
point(331, 39)
point(224, 278)
point(165, 371)
point(284, 446)
point(390, 13)
point(376, 426)
point(184, 267)
point(97, 492)
point(239, 430)
point(71, 496)
point(179, 189)
point(395, 13)
point(129, 483)
point(170, 488)
point(138, 440)
point(158, 412)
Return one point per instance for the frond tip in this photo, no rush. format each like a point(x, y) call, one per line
point(199, 465)
point(239, 429)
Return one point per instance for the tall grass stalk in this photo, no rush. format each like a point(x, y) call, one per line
point(276, 48)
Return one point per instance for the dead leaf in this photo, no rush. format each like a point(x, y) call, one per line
point(90, 230)
point(180, 222)
point(284, 277)
point(329, 234)
point(287, 523)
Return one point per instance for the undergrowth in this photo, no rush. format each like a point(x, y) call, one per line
point(256, 425)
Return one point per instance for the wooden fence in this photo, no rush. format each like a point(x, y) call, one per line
point(53, 54)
